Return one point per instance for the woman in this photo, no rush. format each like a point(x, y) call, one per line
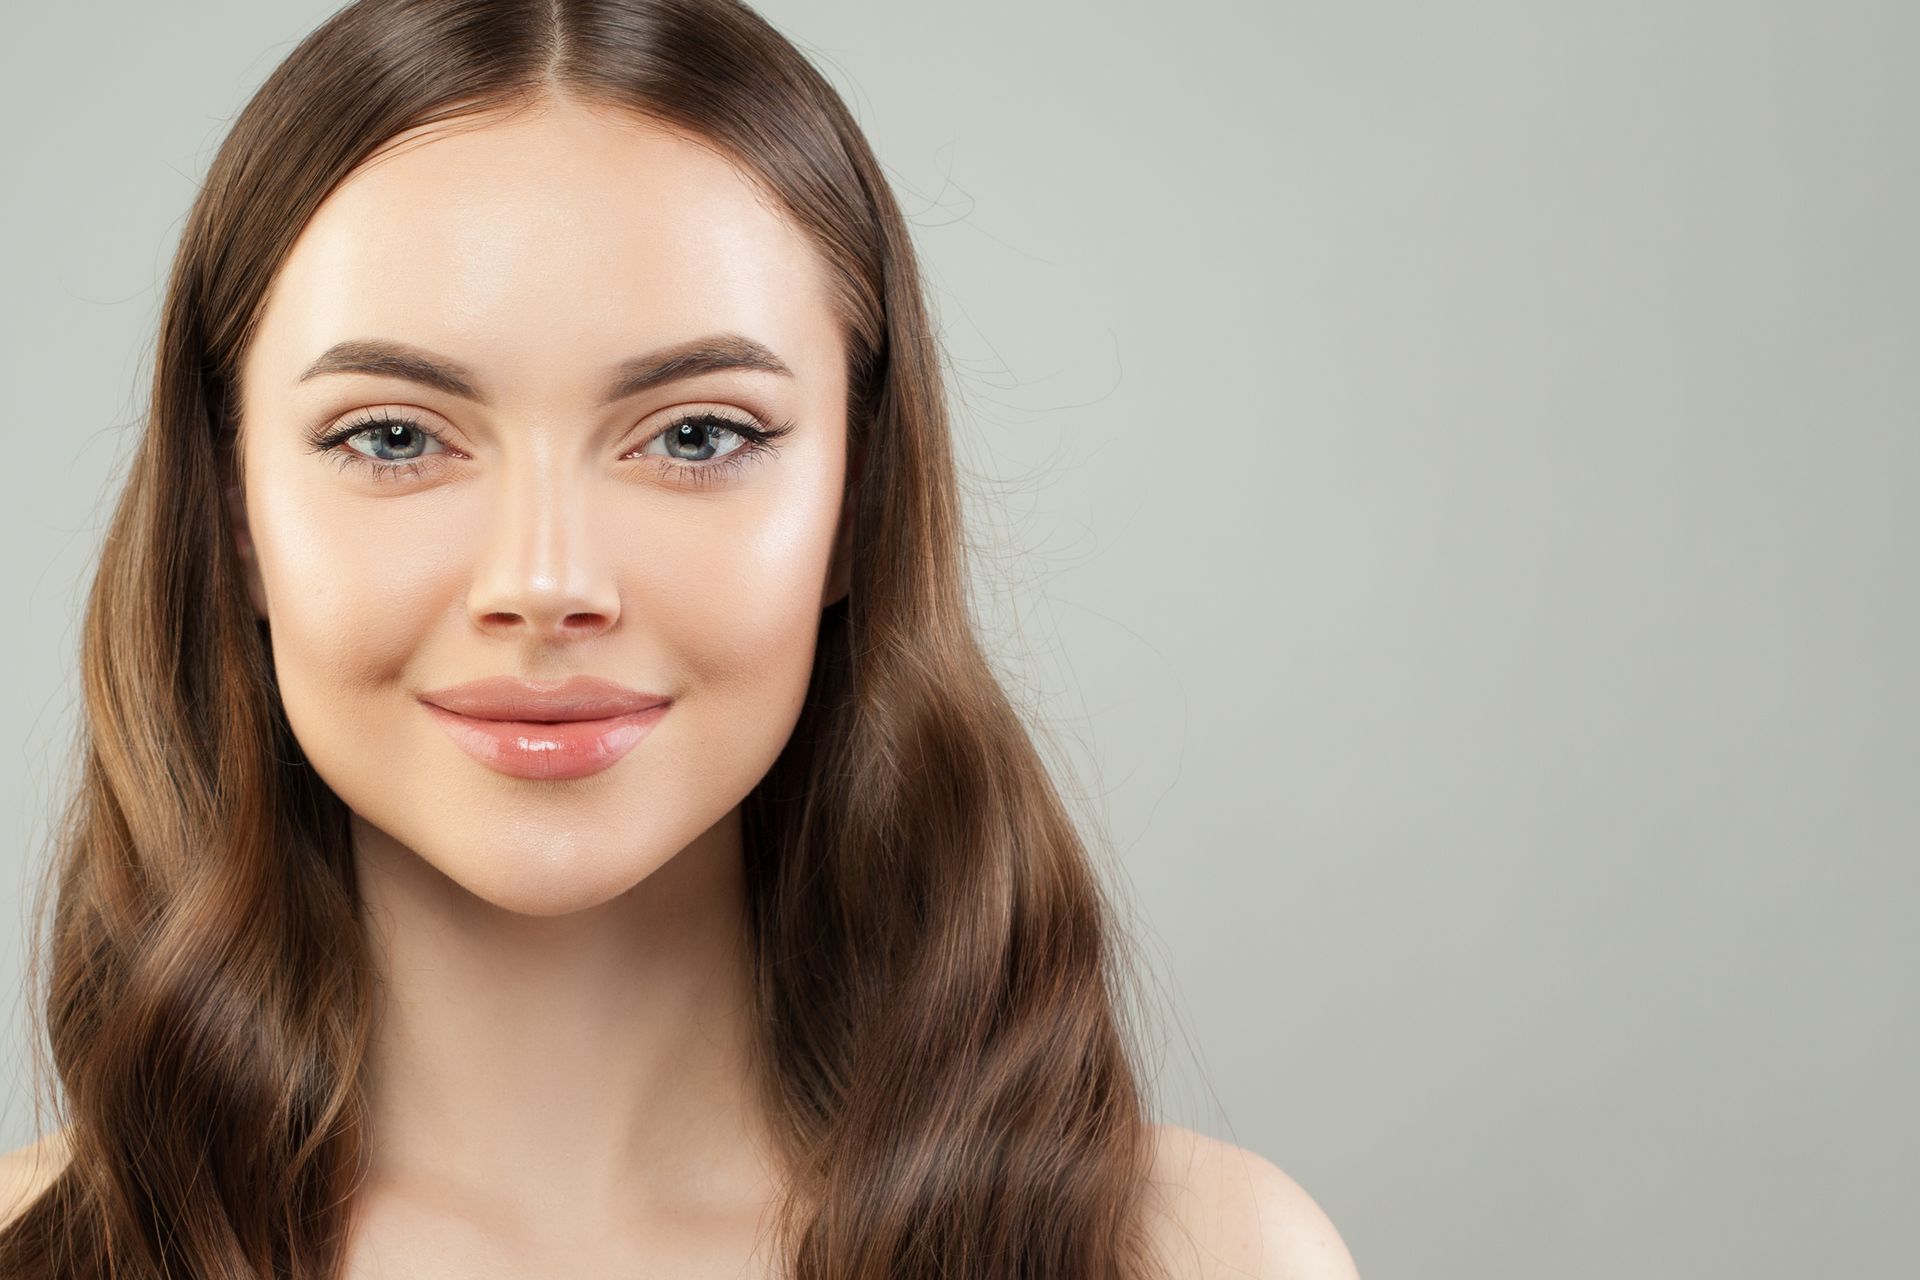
point(544, 808)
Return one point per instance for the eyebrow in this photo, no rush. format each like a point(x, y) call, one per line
point(385, 358)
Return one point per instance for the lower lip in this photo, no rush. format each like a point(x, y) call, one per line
point(548, 752)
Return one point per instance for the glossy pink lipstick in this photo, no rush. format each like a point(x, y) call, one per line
point(546, 731)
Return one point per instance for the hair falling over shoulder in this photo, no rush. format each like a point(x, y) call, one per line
point(937, 967)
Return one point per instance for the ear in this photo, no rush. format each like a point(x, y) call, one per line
point(243, 544)
point(840, 568)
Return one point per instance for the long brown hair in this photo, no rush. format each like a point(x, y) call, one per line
point(943, 997)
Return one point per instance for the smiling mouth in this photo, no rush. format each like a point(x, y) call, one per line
point(532, 720)
point(549, 750)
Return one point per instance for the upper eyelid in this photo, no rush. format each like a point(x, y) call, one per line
point(370, 418)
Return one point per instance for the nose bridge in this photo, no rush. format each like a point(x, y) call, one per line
point(541, 563)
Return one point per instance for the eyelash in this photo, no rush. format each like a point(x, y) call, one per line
point(758, 440)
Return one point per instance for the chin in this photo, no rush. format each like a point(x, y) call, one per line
point(543, 902)
point(553, 881)
point(536, 873)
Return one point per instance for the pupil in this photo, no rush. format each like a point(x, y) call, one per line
point(393, 434)
point(688, 431)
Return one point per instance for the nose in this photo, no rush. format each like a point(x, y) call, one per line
point(542, 570)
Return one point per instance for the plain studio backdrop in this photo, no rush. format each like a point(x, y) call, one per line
point(1441, 480)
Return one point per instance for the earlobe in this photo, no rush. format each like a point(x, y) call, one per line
point(840, 568)
point(243, 545)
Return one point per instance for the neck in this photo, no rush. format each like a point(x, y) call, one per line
point(566, 1069)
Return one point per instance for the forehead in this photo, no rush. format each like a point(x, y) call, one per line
point(543, 247)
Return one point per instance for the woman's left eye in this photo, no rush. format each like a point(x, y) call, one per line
point(701, 434)
point(697, 432)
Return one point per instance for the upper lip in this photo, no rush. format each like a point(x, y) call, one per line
point(575, 698)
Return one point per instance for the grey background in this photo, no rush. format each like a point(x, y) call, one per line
point(1441, 482)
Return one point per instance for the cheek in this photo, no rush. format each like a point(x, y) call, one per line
point(350, 586)
point(748, 576)
point(740, 612)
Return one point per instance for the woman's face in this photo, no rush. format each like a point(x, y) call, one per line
point(579, 493)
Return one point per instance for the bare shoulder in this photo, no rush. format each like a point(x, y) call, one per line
point(1216, 1211)
point(26, 1172)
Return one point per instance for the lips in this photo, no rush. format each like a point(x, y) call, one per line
point(546, 731)
point(575, 698)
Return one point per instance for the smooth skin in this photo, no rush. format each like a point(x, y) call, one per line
point(559, 1080)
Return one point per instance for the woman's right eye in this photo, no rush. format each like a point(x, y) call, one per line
point(387, 434)
point(393, 433)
